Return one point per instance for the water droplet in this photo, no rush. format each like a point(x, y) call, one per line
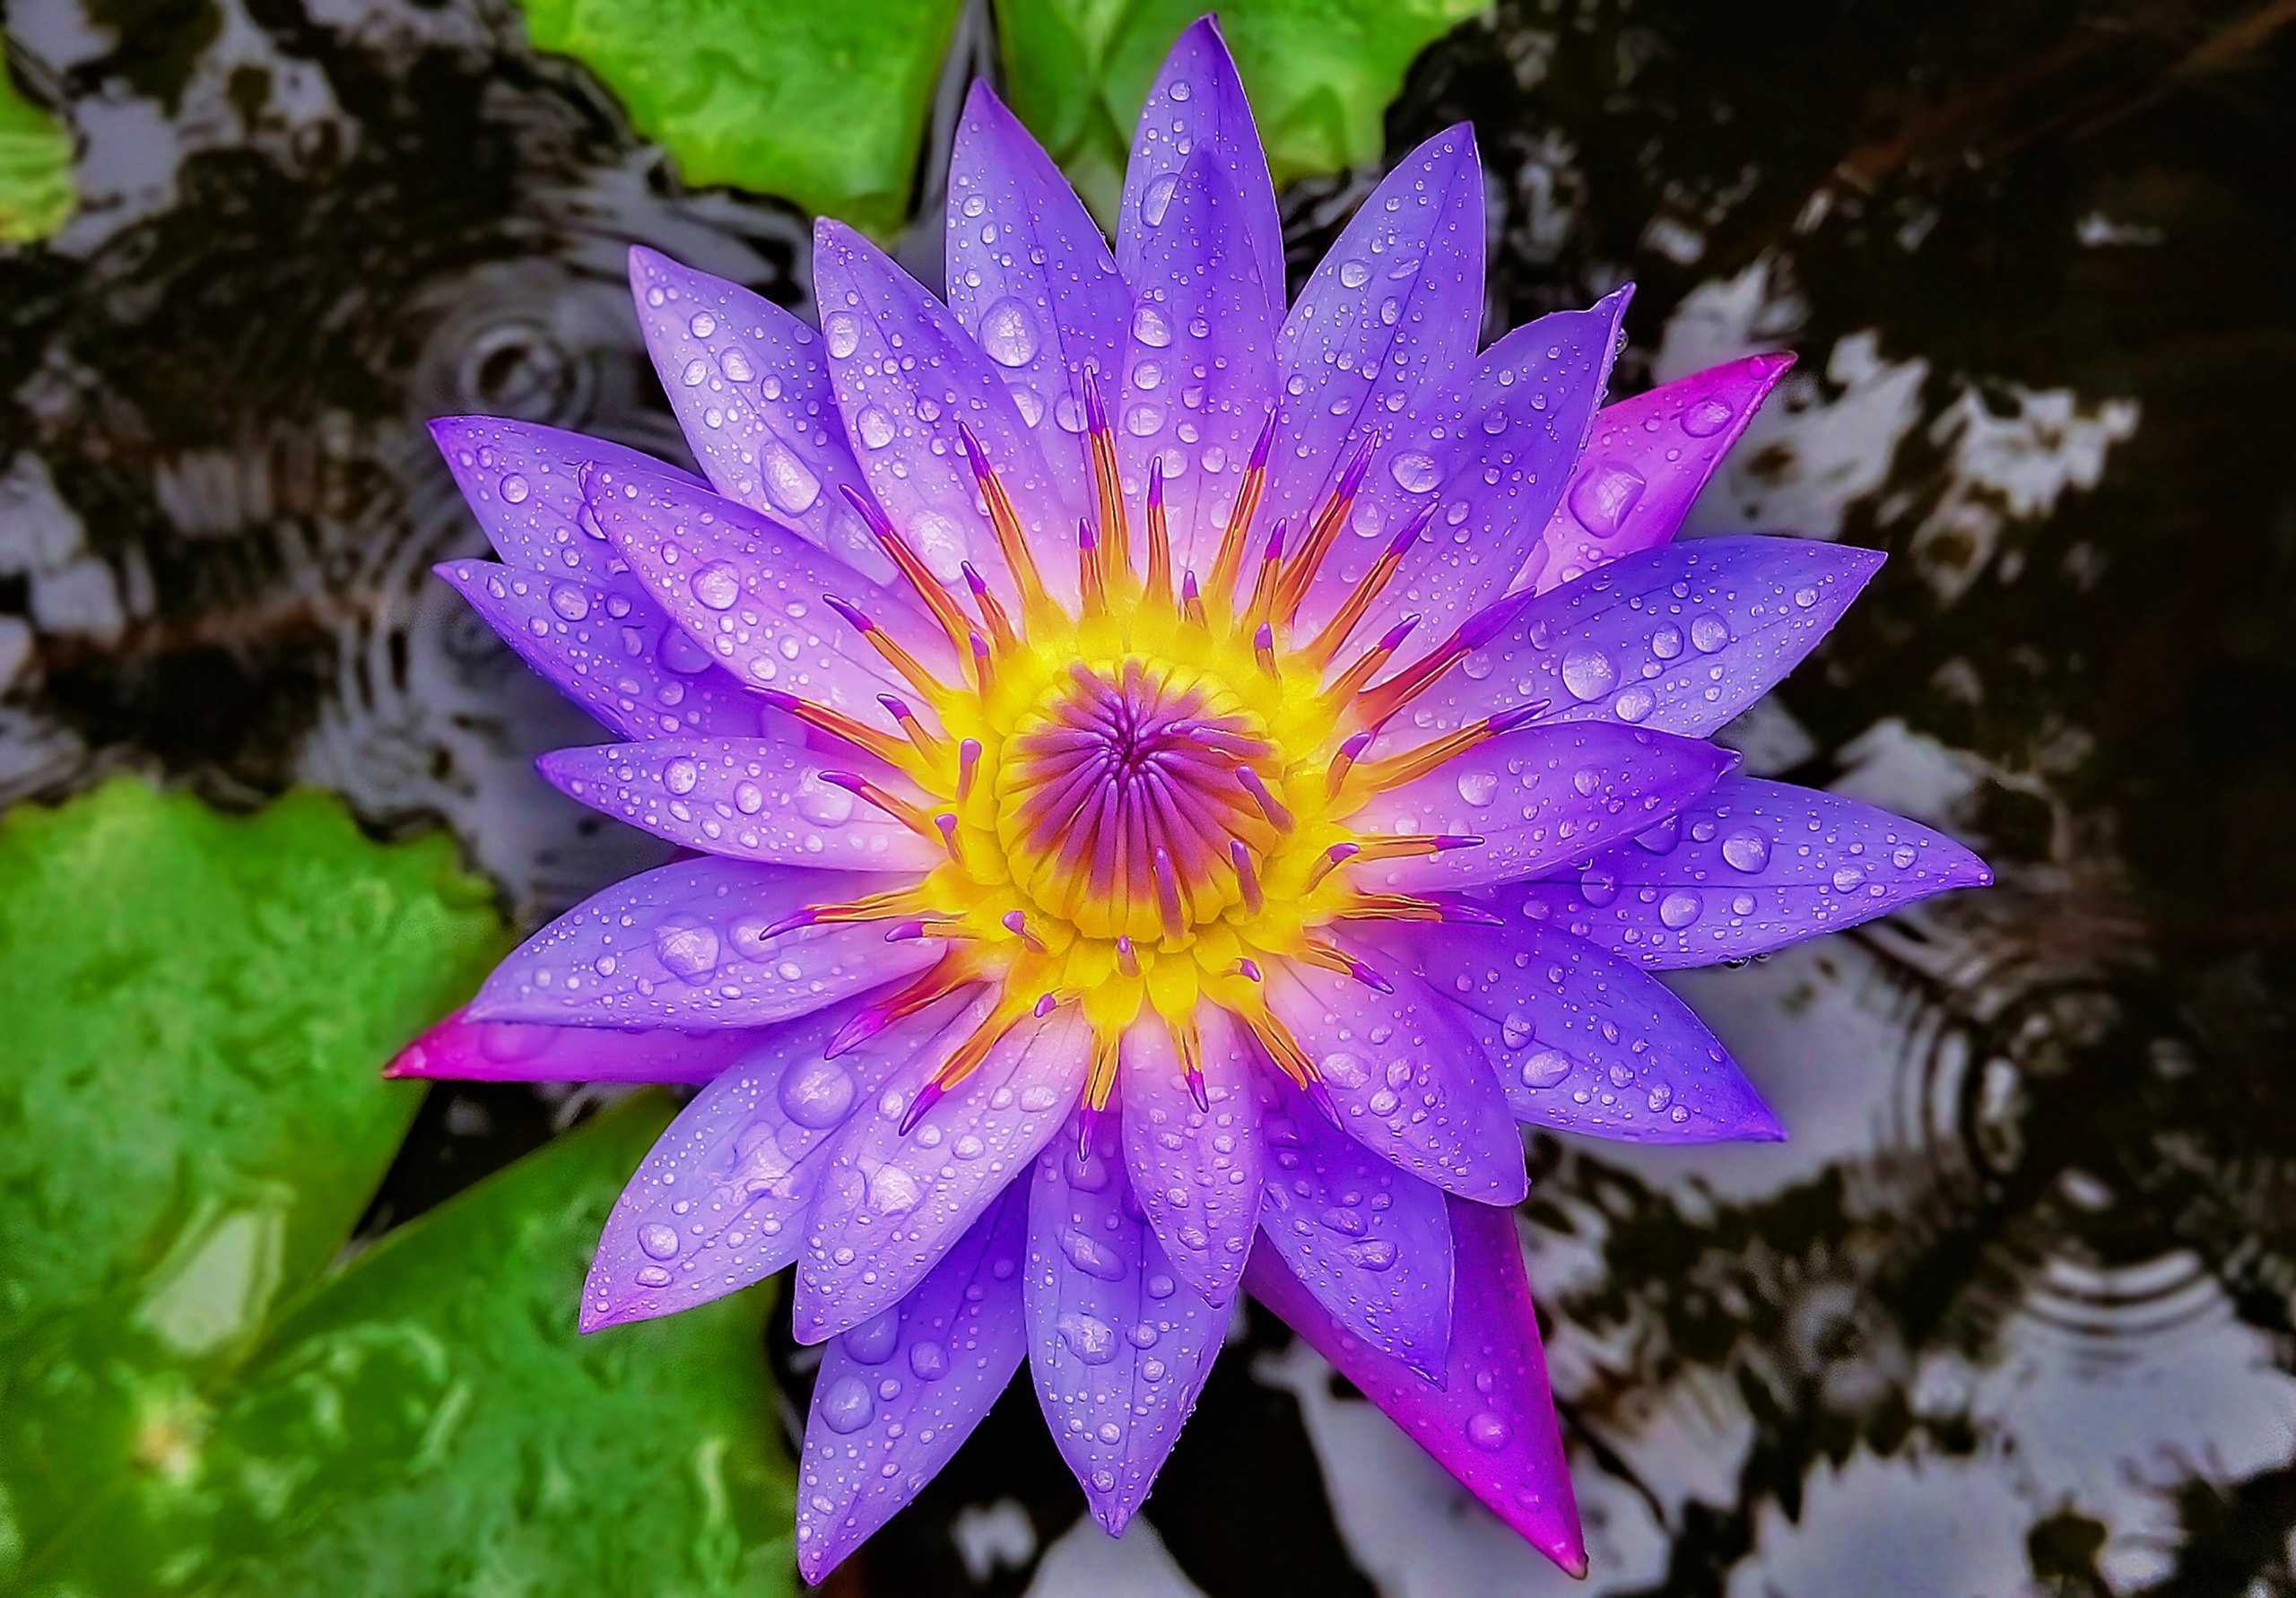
point(686, 946)
point(1589, 673)
point(872, 1342)
point(1634, 704)
point(1477, 787)
point(1489, 1431)
point(1089, 1338)
point(717, 585)
point(515, 489)
point(1745, 850)
point(660, 1242)
point(1678, 910)
point(929, 1361)
point(1413, 472)
point(1008, 332)
point(736, 367)
point(1706, 417)
point(1157, 196)
point(1604, 495)
point(820, 801)
point(1088, 1255)
point(875, 428)
point(569, 602)
point(816, 1096)
point(1150, 327)
point(846, 1407)
point(680, 774)
point(1546, 1069)
point(1847, 877)
point(703, 324)
point(844, 335)
point(1709, 633)
point(1354, 274)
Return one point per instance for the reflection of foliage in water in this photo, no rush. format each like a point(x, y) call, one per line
point(2030, 1246)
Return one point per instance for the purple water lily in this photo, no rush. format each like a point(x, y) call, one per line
point(1170, 782)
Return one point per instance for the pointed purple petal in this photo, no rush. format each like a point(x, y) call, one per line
point(1372, 1244)
point(459, 1049)
point(1197, 107)
point(750, 385)
point(1679, 639)
point(892, 1203)
point(523, 482)
point(1030, 278)
point(750, 592)
point(1391, 315)
point(686, 945)
point(1408, 1078)
point(1118, 1345)
point(741, 798)
point(1200, 368)
point(1582, 1041)
point(1197, 1172)
point(1492, 1422)
point(1751, 867)
point(1645, 463)
point(908, 378)
point(1537, 798)
point(899, 1393)
point(720, 1201)
point(608, 650)
point(1494, 452)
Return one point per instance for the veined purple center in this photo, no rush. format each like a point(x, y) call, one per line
point(1124, 796)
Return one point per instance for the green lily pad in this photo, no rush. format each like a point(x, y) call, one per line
point(822, 104)
point(202, 1396)
point(36, 191)
point(1319, 75)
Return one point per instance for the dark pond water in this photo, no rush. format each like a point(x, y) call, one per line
point(2012, 1313)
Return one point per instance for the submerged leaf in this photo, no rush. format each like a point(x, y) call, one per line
point(824, 104)
point(1319, 75)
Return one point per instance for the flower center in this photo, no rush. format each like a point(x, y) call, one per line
point(1124, 792)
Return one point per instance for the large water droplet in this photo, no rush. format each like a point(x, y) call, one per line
point(1588, 673)
point(875, 428)
point(717, 585)
point(1089, 1338)
point(789, 482)
point(1008, 332)
point(1706, 417)
point(659, 1242)
point(844, 333)
point(1413, 472)
point(846, 1407)
point(1745, 850)
point(1545, 1069)
point(686, 946)
point(1604, 495)
point(817, 1094)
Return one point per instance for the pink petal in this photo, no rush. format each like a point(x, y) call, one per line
point(459, 1049)
point(1491, 1422)
point(1645, 464)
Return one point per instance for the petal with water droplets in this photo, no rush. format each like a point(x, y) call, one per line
point(1537, 798)
point(1407, 1079)
point(1492, 453)
point(907, 377)
point(1371, 1242)
point(750, 385)
point(459, 1049)
point(687, 946)
point(891, 1203)
point(523, 483)
point(1491, 1422)
point(1196, 1171)
point(1751, 867)
point(1200, 361)
point(1030, 278)
point(609, 649)
point(1197, 106)
point(1678, 640)
point(750, 592)
point(1118, 1345)
point(742, 798)
point(898, 1395)
point(1391, 315)
point(1582, 1041)
point(720, 1201)
point(1644, 464)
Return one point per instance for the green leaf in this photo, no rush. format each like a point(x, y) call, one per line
point(200, 1396)
point(36, 192)
point(821, 103)
point(1319, 75)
